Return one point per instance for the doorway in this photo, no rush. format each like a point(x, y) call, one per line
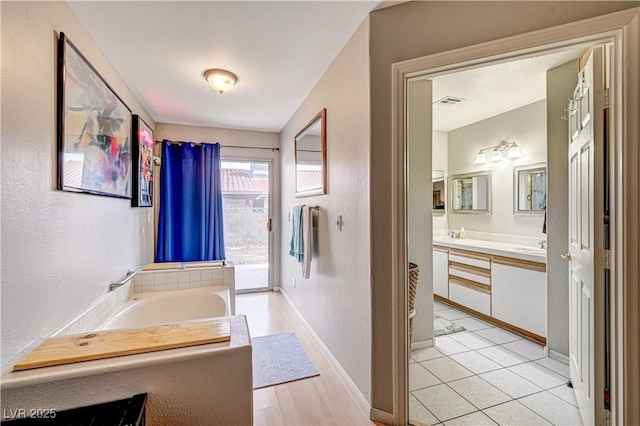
point(246, 189)
point(503, 51)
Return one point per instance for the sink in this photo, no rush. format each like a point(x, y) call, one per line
point(532, 250)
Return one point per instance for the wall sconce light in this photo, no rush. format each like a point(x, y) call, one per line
point(499, 152)
point(220, 80)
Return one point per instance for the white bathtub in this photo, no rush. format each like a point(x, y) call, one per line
point(161, 307)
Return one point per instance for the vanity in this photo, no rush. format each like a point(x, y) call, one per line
point(501, 283)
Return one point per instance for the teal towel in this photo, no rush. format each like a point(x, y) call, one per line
point(296, 248)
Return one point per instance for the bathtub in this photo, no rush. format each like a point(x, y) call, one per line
point(160, 307)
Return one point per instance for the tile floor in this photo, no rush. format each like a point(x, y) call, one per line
point(485, 376)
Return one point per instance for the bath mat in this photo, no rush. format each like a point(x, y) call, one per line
point(442, 326)
point(279, 358)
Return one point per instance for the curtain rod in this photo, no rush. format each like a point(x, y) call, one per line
point(226, 146)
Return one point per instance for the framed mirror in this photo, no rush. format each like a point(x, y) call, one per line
point(311, 157)
point(439, 196)
point(530, 189)
point(470, 192)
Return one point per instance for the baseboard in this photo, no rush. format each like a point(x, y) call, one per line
point(381, 416)
point(362, 401)
point(557, 356)
point(422, 344)
point(277, 288)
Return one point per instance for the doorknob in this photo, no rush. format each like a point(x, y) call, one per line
point(566, 256)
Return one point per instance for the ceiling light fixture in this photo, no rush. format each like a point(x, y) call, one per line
point(220, 80)
point(499, 152)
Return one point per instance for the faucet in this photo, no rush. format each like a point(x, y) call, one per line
point(542, 244)
point(454, 234)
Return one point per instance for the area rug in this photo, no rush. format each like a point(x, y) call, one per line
point(279, 358)
point(442, 326)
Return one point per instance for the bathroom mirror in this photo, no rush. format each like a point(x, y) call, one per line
point(530, 188)
point(437, 177)
point(311, 157)
point(470, 192)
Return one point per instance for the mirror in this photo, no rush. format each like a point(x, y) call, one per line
point(437, 176)
point(311, 157)
point(471, 192)
point(530, 188)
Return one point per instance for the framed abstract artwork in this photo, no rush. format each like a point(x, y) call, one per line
point(142, 155)
point(94, 129)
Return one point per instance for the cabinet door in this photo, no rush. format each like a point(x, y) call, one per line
point(441, 273)
point(519, 297)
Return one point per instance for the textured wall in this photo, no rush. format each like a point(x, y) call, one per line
point(560, 84)
point(336, 300)
point(412, 30)
point(59, 249)
point(527, 126)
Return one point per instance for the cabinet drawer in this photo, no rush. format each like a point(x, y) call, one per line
point(477, 261)
point(474, 299)
point(472, 273)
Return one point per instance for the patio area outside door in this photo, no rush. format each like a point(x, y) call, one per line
point(247, 222)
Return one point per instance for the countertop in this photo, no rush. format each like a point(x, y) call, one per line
point(515, 251)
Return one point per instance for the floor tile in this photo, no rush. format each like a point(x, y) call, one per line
point(419, 412)
point(443, 402)
point(526, 348)
point(426, 354)
point(552, 408)
point(514, 413)
point(471, 340)
point(446, 369)
point(555, 366)
point(538, 375)
point(566, 393)
point(420, 378)
point(510, 383)
point(475, 362)
point(473, 324)
point(502, 356)
point(478, 418)
point(448, 346)
point(437, 306)
point(497, 335)
point(452, 314)
point(479, 392)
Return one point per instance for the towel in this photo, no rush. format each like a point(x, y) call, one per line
point(296, 248)
point(307, 232)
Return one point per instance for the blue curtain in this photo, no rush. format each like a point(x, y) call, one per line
point(190, 225)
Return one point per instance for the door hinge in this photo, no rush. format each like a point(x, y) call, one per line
point(606, 98)
point(607, 259)
point(269, 224)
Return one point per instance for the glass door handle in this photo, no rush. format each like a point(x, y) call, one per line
point(269, 224)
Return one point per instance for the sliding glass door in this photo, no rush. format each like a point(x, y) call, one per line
point(247, 222)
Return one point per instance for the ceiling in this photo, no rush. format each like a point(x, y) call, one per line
point(495, 89)
point(278, 49)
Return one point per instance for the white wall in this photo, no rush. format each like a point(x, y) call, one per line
point(527, 126)
point(336, 300)
point(440, 162)
point(419, 204)
point(561, 82)
point(59, 249)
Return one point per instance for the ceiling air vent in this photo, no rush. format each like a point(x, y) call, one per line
point(448, 101)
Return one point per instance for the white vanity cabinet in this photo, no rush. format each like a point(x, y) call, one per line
point(519, 294)
point(441, 272)
point(497, 285)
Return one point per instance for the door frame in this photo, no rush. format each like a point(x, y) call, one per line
point(271, 242)
point(622, 29)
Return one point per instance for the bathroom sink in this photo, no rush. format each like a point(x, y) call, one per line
point(532, 250)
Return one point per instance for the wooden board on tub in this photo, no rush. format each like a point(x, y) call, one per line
point(162, 266)
point(112, 343)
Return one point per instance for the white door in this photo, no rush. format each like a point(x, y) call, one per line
point(586, 141)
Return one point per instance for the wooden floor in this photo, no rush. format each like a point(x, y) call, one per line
point(321, 400)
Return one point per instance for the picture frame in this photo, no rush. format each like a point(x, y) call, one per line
point(93, 129)
point(142, 166)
